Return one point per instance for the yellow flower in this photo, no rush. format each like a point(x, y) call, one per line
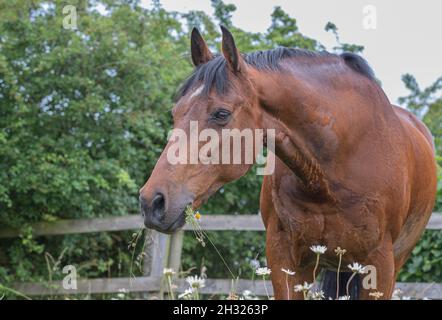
point(197, 215)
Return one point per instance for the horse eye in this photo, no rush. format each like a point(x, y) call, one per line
point(220, 115)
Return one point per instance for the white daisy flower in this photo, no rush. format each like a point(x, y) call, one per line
point(248, 295)
point(397, 293)
point(195, 282)
point(317, 295)
point(318, 249)
point(287, 271)
point(188, 292)
point(264, 271)
point(303, 287)
point(357, 268)
point(168, 272)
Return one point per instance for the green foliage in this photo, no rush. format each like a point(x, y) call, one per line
point(83, 118)
point(223, 12)
point(84, 115)
point(427, 104)
point(77, 128)
point(240, 252)
point(425, 262)
point(342, 47)
point(284, 32)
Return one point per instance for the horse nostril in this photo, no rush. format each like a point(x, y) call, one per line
point(158, 206)
point(143, 206)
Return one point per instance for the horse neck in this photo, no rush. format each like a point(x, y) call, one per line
point(293, 108)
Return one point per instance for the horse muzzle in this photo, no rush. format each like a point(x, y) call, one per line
point(161, 216)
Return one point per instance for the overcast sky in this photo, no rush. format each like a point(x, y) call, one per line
point(407, 38)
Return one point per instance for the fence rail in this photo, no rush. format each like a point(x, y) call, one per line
point(250, 222)
point(167, 253)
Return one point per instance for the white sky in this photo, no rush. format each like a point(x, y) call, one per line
point(407, 38)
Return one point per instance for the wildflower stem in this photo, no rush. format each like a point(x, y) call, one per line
point(337, 276)
point(169, 281)
point(287, 284)
point(265, 287)
point(17, 293)
point(220, 255)
point(316, 267)
point(200, 234)
point(348, 283)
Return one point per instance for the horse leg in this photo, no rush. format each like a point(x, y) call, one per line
point(278, 248)
point(382, 259)
point(278, 257)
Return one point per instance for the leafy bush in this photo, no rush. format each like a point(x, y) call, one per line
point(425, 262)
point(84, 115)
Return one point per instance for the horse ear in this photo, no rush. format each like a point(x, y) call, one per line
point(230, 52)
point(200, 52)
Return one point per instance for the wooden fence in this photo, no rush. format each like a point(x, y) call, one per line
point(165, 251)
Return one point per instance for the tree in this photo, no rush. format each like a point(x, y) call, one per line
point(84, 115)
point(342, 47)
point(284, 32)
point(223, 12)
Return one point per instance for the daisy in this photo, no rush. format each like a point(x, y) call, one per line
point(168, 272)
point(264, 271)
point(248, 295)
point(357, 268)
point(303, 287)
point(318, 249)
point(188, 292)
point(397, 293)
point(288, 272)
point(195, 282)
point(317, 295)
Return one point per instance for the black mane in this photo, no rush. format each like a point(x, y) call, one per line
point(214, 73)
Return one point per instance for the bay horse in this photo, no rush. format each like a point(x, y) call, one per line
point(351, 170)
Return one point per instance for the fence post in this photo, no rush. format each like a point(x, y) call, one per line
point(176, 247)
point(156, 255)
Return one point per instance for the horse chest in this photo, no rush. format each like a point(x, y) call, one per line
point(356, 228)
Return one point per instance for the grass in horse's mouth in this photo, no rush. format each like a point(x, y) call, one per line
point(192, 218)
